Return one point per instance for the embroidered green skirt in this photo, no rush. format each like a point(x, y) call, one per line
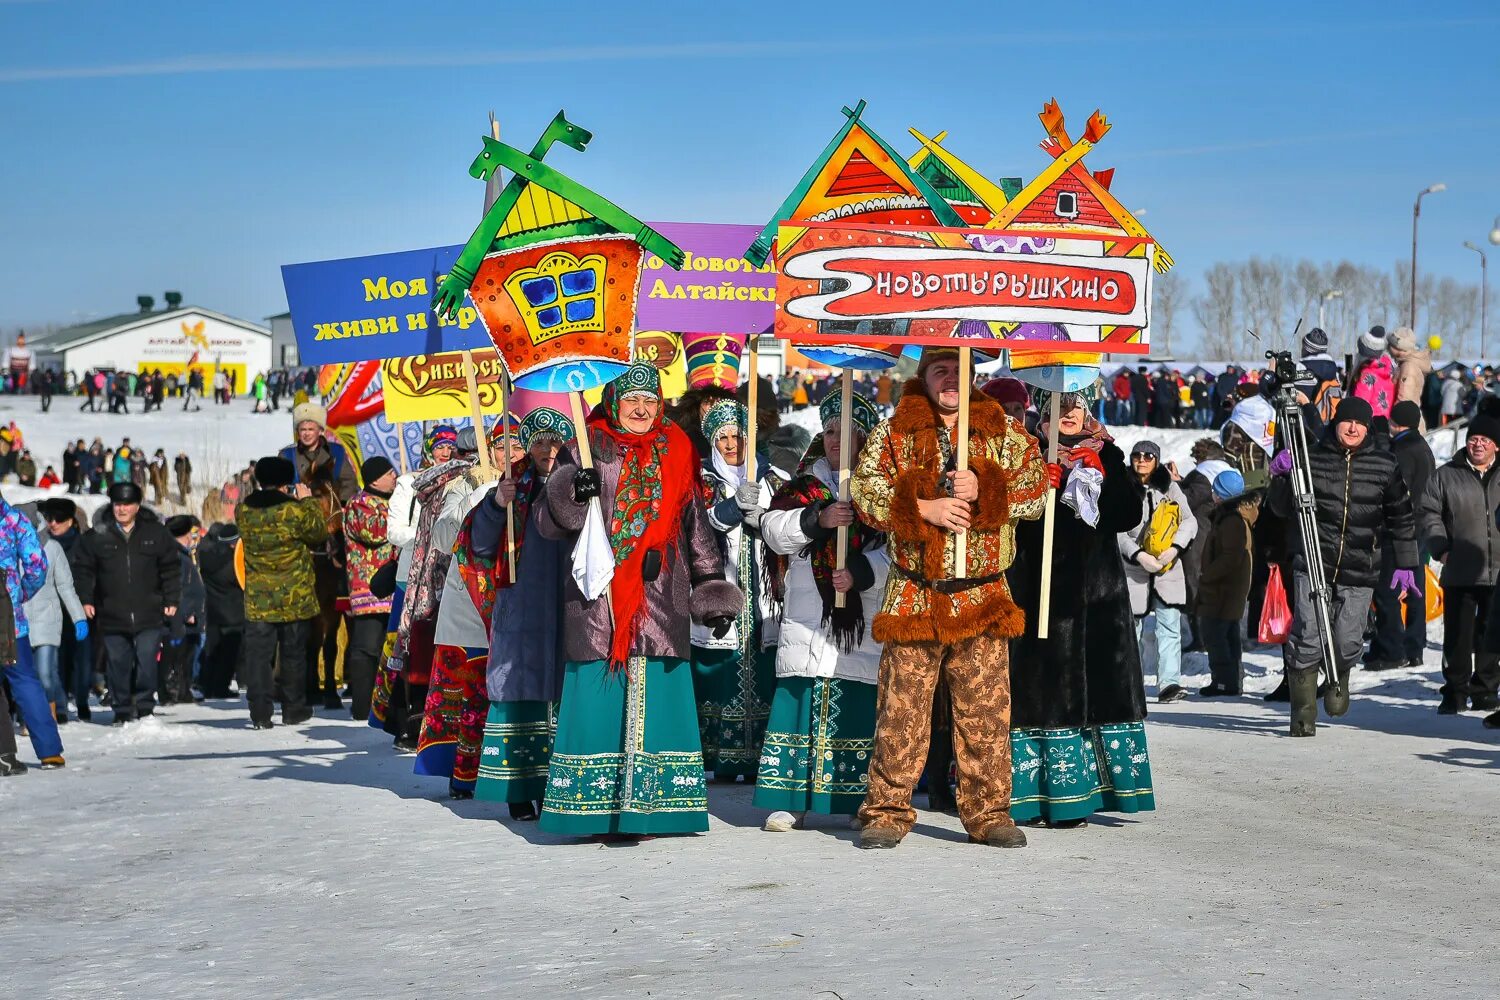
point(627, 757)
point(734, 704)
point(516, 752)
point(1067, 774)
point(816, 756)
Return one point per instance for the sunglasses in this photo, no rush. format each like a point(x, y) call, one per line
point(1136, 456)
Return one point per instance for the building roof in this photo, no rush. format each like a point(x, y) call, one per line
point(80, 334)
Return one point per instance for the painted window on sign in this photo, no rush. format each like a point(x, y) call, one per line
point(576, 294)
point(1067, 205)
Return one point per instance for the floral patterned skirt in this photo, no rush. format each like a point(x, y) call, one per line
point(734, 705)
point(816, 755)
point(453, 718)
point(385, 677)
point(1067, 774)
point(627, 758)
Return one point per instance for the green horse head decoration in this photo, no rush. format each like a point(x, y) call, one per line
point(558, 130)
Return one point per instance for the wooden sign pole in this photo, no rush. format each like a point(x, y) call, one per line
point(846, 435)
point(476, 413)
point(586, 461)
point(1049, 524)
point(965, 387)
point(491, 193)
point(401, 449)
point(752, 401)
point(505, 468)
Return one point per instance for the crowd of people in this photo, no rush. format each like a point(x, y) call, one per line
point(628, 610)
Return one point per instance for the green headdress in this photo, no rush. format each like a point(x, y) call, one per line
point(722, 414)
point(865, 415)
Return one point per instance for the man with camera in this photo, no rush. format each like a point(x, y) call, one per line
point(1360, 501)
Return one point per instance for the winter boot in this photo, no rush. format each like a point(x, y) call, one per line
point(9, 766)
point(1336, 696)
point(1002, 836)
point(1303, 689)
point(878, 838)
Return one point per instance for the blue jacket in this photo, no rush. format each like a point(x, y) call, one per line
point(22, 558)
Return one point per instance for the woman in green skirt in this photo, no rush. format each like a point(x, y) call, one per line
point(821, 733)
point(627, 761)
point(734, 675)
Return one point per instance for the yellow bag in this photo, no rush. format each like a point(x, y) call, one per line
point(1433, 594)
point(1165, 520)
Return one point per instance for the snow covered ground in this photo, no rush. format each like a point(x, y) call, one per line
point(188, 856)
point(191, 857)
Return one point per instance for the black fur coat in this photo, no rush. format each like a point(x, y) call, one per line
point(1088, 671)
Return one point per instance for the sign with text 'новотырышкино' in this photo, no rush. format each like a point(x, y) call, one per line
point(377, 307)
point(931, 286)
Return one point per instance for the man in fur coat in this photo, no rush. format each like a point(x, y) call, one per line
point(938, 616)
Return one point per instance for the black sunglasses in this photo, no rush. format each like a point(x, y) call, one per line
point(1140, 454)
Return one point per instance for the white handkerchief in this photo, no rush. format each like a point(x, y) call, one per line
point(1082, 493)
point(593, 556)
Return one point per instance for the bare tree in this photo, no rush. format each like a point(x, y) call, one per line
point(1169, 293)
point(1215, 311)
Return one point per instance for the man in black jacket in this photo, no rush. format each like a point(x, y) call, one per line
point(1360, 500)
point(1399, 643)
point(1458, 523)
point(225, 610)
point(127, 575)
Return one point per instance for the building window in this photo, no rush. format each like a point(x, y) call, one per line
point(1067, 205)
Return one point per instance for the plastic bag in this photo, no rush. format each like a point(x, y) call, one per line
point(1275, 614)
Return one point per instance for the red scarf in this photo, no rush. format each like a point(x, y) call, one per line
point(659, 477)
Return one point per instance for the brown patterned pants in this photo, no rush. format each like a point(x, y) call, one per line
point(978, 672)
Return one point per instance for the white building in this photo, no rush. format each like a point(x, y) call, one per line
point(168, 339)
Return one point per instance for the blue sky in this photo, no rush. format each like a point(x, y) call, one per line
point(200, 146)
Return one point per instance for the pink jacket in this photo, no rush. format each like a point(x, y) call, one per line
point(1376, 385)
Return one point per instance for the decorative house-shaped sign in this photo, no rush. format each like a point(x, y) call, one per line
point(553, 270)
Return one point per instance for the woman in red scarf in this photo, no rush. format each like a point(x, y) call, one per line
point(627, 759)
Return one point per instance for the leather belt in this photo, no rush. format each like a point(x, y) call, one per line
point(947, 586)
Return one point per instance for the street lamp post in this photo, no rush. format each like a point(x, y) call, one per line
point(1484, 293)
point(1416, 211)
point(1331, 293)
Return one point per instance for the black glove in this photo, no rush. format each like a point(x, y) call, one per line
point(719, 625)
point(585, 485)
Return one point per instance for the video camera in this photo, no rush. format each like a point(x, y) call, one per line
point(1287, 371)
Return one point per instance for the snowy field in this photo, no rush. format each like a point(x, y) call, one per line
point(188, 856)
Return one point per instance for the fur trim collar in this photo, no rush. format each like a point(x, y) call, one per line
point(1160, 479)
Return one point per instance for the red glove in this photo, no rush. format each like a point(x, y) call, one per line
point(1088, 457)
point(1054, 475)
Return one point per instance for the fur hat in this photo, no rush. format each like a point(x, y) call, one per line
point(309, 411)
point(179, 524)
point(932, 353)
point(1372, 344)
point(1355, 409)
point(57, 509)
point(126, 492)
point(274, 472)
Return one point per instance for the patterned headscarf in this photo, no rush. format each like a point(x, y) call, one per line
point(640, 379)
point(545, 422)
point(501, 426)
point(865, 415)
point(441, 434)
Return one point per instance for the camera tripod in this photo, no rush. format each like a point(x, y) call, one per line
point(1294, 437)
